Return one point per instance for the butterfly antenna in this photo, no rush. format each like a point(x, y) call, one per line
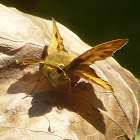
point(30, 94)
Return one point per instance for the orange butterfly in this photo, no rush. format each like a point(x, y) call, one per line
point(61, 68)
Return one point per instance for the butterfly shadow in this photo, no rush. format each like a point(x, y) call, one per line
point(29, 82)
point(82, 100)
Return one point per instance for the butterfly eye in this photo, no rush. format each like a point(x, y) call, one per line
point(60, 69)
point(61, 66)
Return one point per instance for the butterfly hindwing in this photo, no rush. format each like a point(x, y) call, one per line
point(90, 75)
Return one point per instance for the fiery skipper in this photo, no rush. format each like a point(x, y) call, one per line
point(61, 68)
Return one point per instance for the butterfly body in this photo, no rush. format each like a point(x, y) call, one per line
point(54, 66)
point(61, 68)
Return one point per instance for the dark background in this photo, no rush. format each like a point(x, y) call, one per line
point(94, 22)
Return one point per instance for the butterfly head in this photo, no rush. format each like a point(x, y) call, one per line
point(56, 75)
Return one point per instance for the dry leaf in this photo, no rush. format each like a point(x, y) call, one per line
point(86, 114)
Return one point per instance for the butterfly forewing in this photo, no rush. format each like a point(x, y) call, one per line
point(56, 44)
point(99, 52)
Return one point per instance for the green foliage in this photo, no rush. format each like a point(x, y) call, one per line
point(138, 135)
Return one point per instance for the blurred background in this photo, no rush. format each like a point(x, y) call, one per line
point(94, 22)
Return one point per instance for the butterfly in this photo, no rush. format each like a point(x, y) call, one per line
point(62, 68)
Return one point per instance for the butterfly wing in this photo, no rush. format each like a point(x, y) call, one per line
point(90, 75)
point(99, 52)
point(56, 44)
point(80, 65)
